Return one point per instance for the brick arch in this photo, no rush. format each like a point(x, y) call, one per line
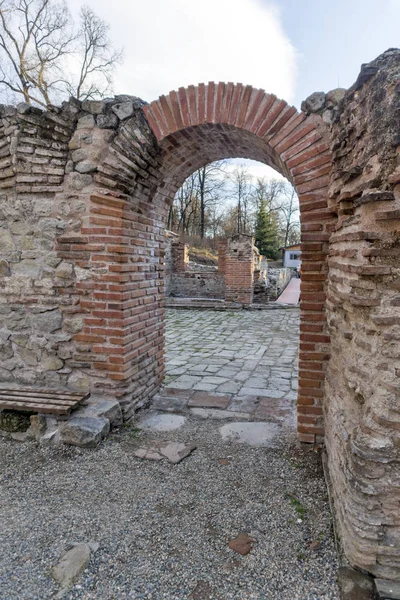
point(200, 124)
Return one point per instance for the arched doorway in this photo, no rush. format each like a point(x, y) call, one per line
point(198, 125)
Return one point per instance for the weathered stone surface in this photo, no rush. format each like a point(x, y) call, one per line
point(175, 451)
point(80, 180)
point(51, 363)
point(335, 96)
point(147, 454)
point(162, 422)
point(314, 103)
point(123, 110)
point(86, 432)
point(387, 590)
point(19, 436)
point(107, 121)
point(94, 107)
point(242, 544)
point(47, 322)
point(78, 382)
point(67, 571)
point(86, 166)
point(65, 270)
point(38, 426)
point(355, 585)
point(255, 434)
point(6, 242)
point(109, 409)
point(86, 122)
point(5, 270)
point(207, 400)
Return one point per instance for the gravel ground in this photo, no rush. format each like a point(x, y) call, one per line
point(164, 529)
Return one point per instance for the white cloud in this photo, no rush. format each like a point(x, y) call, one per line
point(256, 170)
point(172, 43)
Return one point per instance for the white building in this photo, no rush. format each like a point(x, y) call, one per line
point(291, 256)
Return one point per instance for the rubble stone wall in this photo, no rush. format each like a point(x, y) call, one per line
point(38, 304)
point(196, 284)
point(82, 249)
point(362, 391)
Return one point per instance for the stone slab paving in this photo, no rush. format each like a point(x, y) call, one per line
point(244, 362)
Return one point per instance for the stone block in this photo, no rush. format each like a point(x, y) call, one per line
point(71, 566)
point(354, 585)
point(206, 400)
point(86, 432)
point(6, 242)
point(387, 590)
point(86, 122)
point(46, 322)
point(123, 110)
point(109, 409)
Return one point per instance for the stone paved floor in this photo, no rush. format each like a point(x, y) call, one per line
point(233, 352)
point(239, 361)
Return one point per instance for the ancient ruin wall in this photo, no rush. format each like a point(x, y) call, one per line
point(80, 257)
point(84, 198)
point(38, 299)
point(362, 391)
point(197, 284)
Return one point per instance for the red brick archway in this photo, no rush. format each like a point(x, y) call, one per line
point(198, 125)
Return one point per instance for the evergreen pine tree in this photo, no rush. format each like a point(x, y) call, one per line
point(266, 231)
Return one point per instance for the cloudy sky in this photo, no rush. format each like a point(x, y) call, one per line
point(288, 47)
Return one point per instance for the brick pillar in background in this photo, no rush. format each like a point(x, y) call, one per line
point(222, 246)
point(180, 256)
point(239, 269)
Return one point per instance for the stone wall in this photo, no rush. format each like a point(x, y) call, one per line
point(81, 257)
point(362, 391)
point(38, 297)
point(196, 284)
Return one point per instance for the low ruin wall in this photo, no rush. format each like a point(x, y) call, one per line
point(196, 284)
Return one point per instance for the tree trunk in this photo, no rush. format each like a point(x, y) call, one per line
point(202, 180)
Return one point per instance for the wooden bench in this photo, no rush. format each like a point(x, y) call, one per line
point(40, 401)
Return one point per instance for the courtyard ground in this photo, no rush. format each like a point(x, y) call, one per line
point(164, 529)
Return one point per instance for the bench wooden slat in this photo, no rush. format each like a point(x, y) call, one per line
point(39, 400)
point(42, 394)
point(35, 407)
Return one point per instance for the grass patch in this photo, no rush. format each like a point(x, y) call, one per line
point(301, 511)
point(131, 431)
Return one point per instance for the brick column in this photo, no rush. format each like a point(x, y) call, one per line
point(239, 269)
point(222, 246)
point(180, 256)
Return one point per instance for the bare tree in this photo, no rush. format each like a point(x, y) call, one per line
point(289, 207)
point(242, 190)
point(38, 48)
point(211, 180)
point(97, 58)
point(196, 204)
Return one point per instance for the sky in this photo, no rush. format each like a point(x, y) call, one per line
point(288, 47)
